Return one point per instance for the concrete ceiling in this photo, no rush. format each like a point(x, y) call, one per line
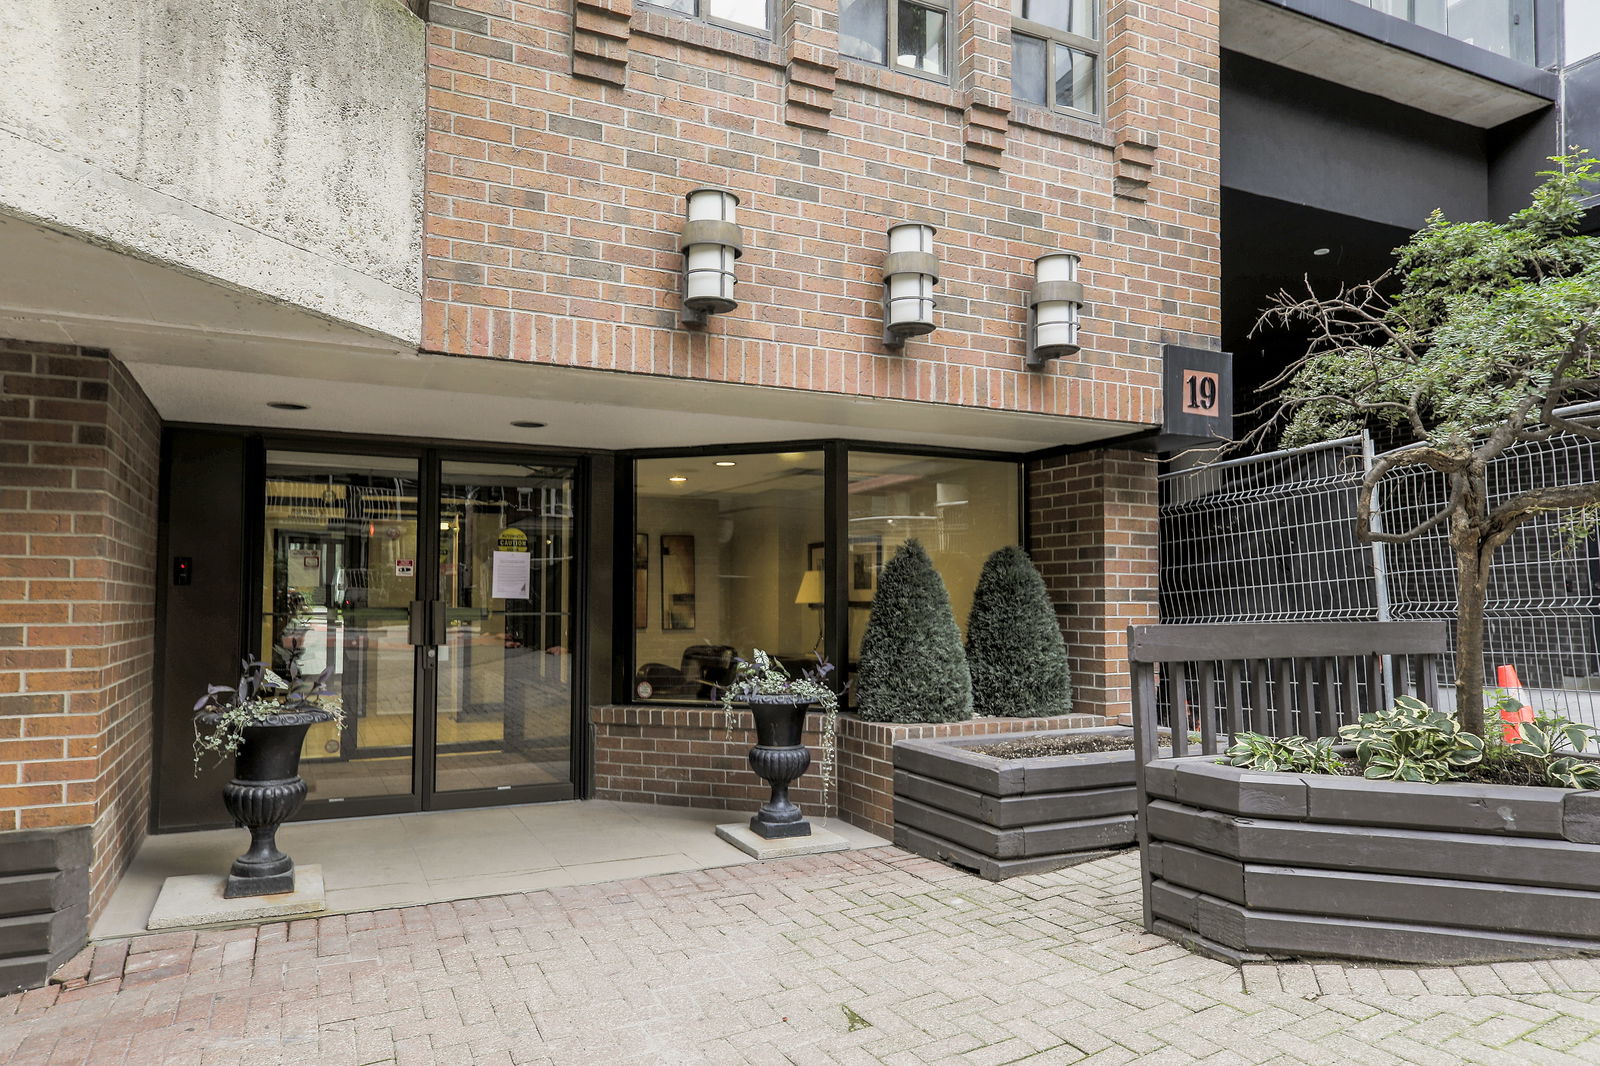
point(1298, 42)
point(208, 354)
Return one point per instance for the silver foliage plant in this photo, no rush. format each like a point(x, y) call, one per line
point(762, 675)
point(225, 712)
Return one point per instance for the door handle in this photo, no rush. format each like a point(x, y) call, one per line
point(418, 630)
point(436, 629)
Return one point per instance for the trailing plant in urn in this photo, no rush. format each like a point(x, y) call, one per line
point(913, 668)
point(1014, 648)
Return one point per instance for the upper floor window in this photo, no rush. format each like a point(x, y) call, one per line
point(744, 14)
point(904, 34)
point(1055, 54)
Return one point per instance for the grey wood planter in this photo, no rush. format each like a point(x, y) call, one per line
point(1008, 817)
point(1242, 864)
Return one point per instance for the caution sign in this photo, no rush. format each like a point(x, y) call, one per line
point(512, 565)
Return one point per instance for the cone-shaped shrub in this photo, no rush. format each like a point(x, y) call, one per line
point(913, 668)
point(1014, 647)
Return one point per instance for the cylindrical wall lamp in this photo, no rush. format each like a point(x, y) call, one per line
point(910, 272)
point(1054, 308)
point(711, 242)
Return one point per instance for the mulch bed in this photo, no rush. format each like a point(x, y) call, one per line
point(1039, 747)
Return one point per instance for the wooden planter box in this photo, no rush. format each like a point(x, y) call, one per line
point(1244, 865)
point(1008, 817)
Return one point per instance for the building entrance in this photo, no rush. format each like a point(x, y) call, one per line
point(437, 592)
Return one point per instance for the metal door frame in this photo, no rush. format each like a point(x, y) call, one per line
point(424, 755)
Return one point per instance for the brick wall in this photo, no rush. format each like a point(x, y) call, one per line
point(557, 164)
point(1092, 528)
point(78, 472)
point(685, 756)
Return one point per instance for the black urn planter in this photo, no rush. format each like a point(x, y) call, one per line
point(779, 758)
point(265, 792)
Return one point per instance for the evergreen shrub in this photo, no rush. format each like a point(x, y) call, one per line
point(1014, 648)
point(913, 668)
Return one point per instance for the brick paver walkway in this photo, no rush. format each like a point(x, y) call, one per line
point(865, 957)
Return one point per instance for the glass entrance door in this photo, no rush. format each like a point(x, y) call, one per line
point(502, 674)
point(339, 576)
point(438, 595)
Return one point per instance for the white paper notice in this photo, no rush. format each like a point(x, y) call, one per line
point(511, 575)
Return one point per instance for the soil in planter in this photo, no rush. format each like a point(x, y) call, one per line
point(1039, 747)
point(1492, 771)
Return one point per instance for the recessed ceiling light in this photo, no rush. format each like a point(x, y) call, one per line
point(529, 425)
point(1321, 251)
point(677, 479)
point(726, 462)
point(285, 405)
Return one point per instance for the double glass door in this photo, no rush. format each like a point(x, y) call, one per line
point(437, 594)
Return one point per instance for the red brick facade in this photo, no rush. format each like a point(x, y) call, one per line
point(687, 757)
point(1092, 528)
point(77, 598)
point(557, 165)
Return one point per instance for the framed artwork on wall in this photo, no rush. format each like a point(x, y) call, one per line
point(677, 581)
point(865, 562)
point(641, 581)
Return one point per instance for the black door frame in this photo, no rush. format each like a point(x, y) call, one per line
point(430, 457)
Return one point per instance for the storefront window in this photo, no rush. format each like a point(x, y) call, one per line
point(960, 509)
point(725, 548)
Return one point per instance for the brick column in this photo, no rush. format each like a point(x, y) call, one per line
point(78, 470)
point(1092, 532)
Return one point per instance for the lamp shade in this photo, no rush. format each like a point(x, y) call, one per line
point(810, 592)
point(711, 242)
point(1054, 308)
point(910, 272)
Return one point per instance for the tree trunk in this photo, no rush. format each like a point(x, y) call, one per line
point(1472, 587)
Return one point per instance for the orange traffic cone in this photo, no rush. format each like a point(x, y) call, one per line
point(1506, 678)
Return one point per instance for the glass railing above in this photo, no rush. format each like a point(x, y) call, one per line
point(1503, 26)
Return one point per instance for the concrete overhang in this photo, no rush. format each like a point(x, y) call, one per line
point(1348, 44)
point(209, 354)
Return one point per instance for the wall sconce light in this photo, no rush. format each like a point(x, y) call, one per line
point(711, 242)
point(910, 272)
point(1054, 308)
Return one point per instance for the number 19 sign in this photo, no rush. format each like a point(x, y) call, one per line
point(1197, 384)
point(1200, 393)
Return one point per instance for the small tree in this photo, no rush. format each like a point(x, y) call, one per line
point(1014, 647)
point(913, 668)
point(1471, 344)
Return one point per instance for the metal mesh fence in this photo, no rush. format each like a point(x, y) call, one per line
point(1272, 538)
point(1266, 539)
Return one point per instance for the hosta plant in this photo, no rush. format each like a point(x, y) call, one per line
point(1254, 751)
point(1412, 742)
point(1546, 738)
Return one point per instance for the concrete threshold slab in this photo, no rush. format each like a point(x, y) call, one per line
point(195, 900)
point(740, 836)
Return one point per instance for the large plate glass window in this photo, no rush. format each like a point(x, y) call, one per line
point(960, 509)
point(727, 558)
point(904, 34)
point(1055, 54)
point(744, 14)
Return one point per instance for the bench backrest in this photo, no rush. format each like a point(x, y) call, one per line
point(1276, 678)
